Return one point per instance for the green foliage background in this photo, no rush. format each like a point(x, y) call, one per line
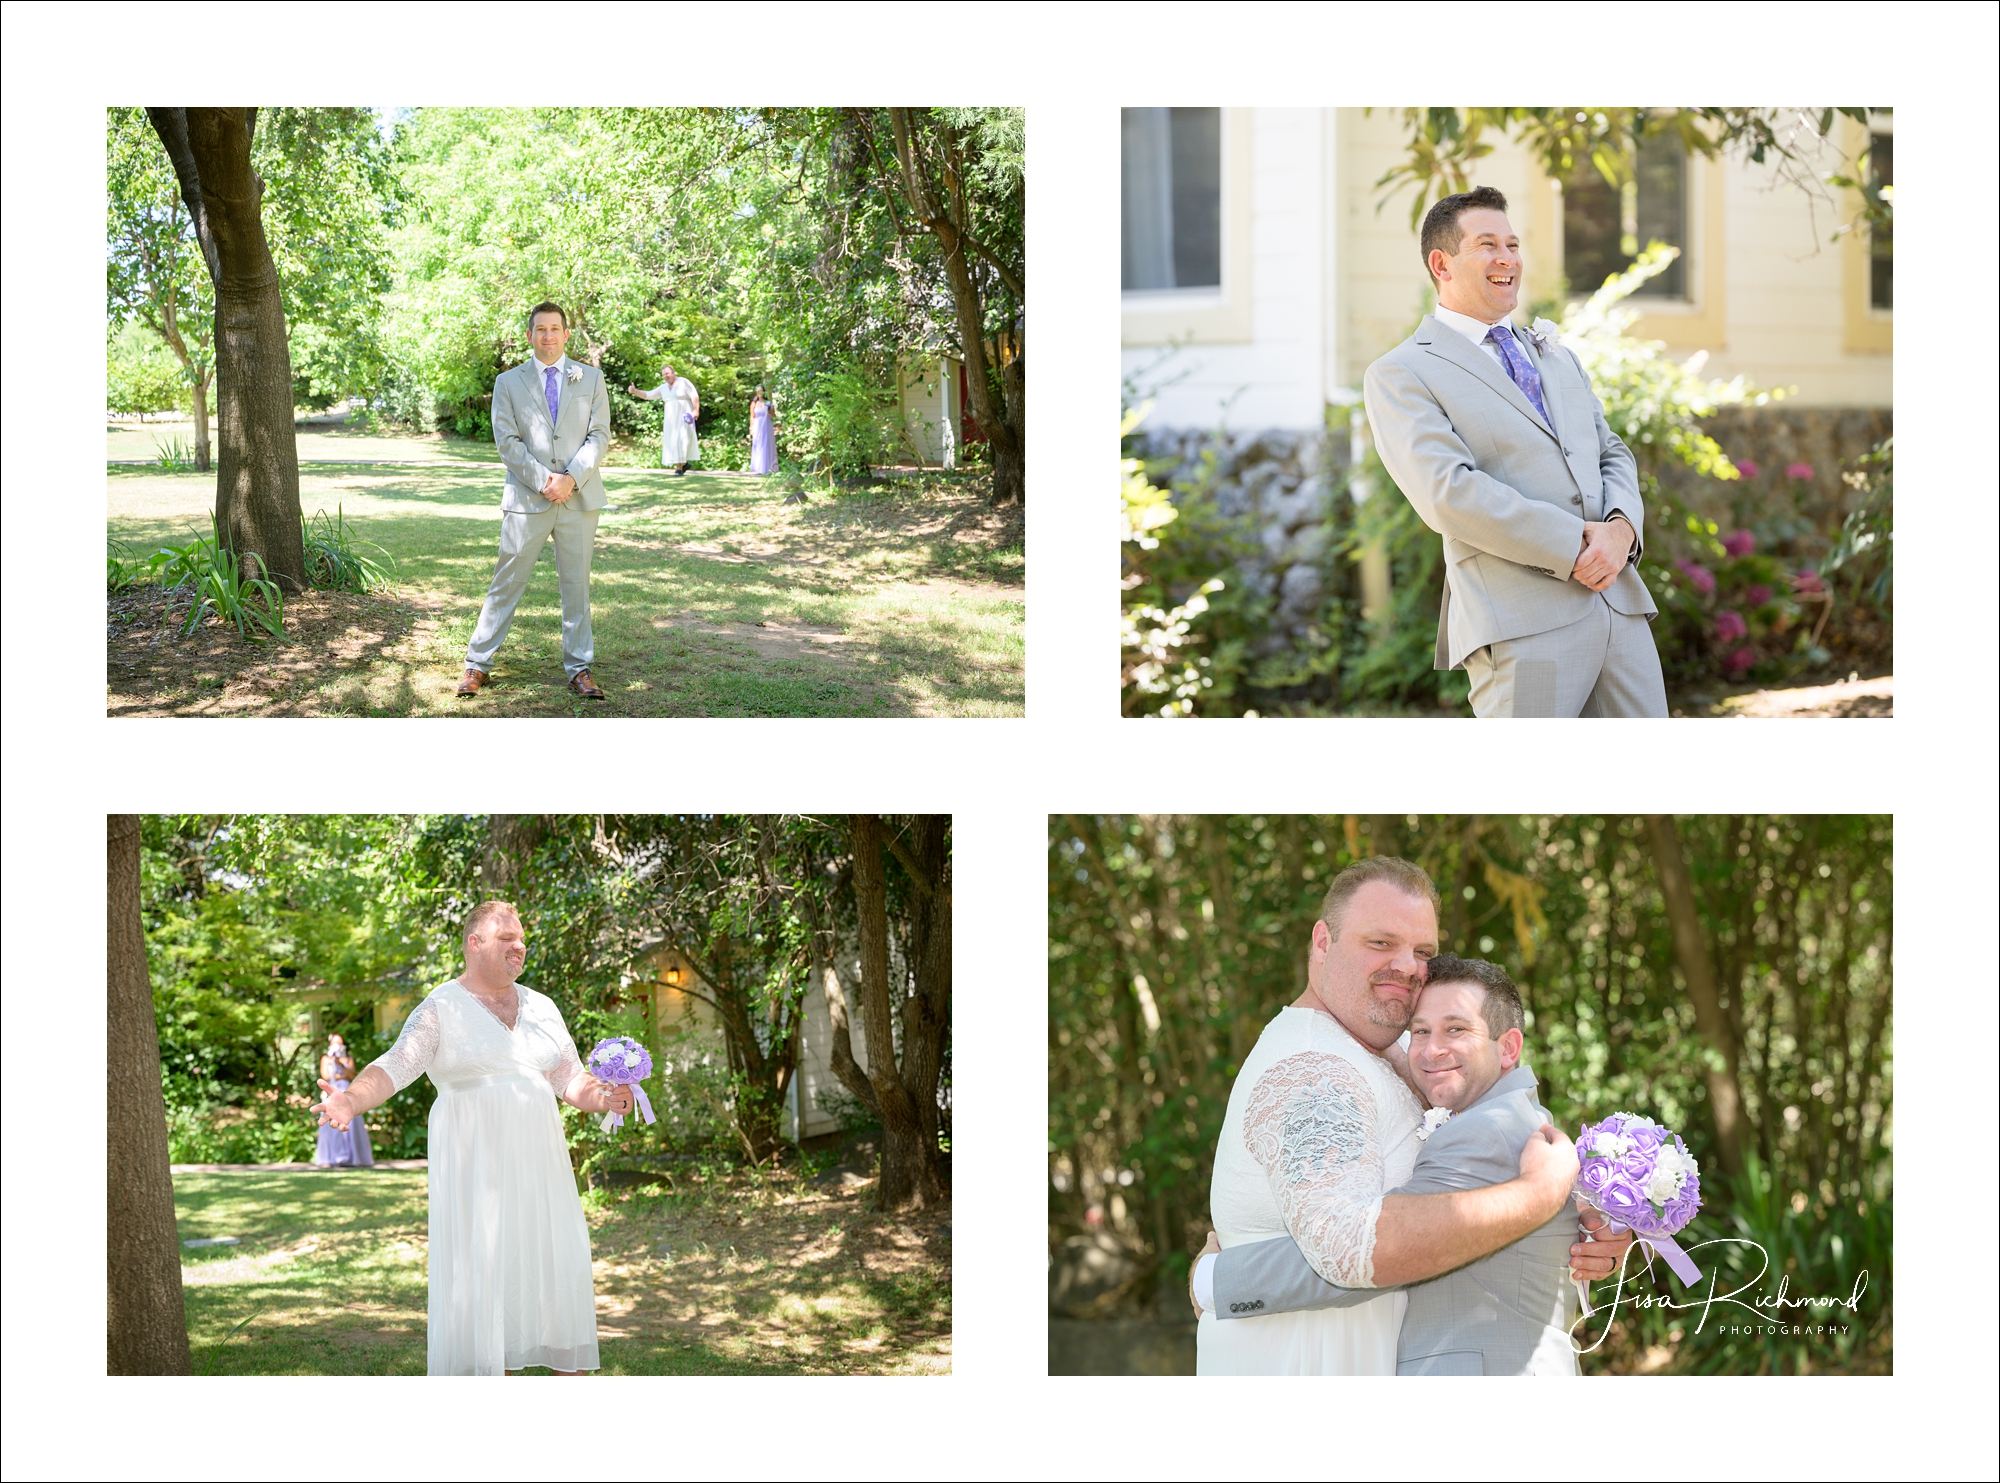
point(1205, 919)
point(241, 911)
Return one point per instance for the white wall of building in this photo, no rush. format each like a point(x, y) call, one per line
point(1336, 280)
point(1276, 378)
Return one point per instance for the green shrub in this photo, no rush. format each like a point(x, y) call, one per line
point(334, 559)
point(142, 374)
point(219, 582)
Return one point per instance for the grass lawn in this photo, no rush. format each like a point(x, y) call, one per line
point(710, 596)
point(736, 1273)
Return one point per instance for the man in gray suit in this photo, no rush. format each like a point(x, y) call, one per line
point(1507, 1313)
point(1497, 439)
point(552, 423)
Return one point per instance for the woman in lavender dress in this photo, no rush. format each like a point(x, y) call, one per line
point(338, 1149)
point(763, 435)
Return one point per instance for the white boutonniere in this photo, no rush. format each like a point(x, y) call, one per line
point(1545, 333)
point(1433, 1120)
point(576, 371)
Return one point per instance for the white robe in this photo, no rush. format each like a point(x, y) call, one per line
point(678, 444)
point(510, 1280)
point(1318, 1128)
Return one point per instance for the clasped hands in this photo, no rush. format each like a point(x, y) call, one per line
point(558, 488)
point(1607, 546)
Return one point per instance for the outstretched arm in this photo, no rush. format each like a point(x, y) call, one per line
point(370, 1089)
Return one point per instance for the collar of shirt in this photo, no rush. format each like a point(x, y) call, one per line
point(1464, 324)
point(542, 371)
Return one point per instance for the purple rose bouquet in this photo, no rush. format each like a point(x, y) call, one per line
point(622, 1061)
point(1641, 1176)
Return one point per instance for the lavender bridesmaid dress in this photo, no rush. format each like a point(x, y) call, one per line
point(763, 441)
point(349, 1150)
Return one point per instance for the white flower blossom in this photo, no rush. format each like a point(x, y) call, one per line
point(1433, 1120)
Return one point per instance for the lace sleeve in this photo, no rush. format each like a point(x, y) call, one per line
point(415, 1049)
point(570, 1066)
point(1310, 1125)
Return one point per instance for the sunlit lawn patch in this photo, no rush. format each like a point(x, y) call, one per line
point(710, 597)
point(713, 1272)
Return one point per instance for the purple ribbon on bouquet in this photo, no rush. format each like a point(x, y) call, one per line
point(1665, 1247)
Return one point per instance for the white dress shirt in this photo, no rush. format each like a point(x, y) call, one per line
point(1473, 330)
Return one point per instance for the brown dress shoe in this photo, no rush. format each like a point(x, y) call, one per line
point(474, 678)
point(583, 685)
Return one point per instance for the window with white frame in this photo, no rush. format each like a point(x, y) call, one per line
point(1171, 199)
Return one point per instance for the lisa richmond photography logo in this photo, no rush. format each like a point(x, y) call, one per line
point(1751, 1309)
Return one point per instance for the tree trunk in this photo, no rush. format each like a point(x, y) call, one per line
point(145, 1323)
point(257, 476)
point(1004, 432)
point(1697, 964)
point(202, 458)
point(510, 840)
point(911, 1175)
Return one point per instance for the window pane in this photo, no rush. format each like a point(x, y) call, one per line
point(1197, 197)
point(1171, 206)
point(1604, 228)
point(1881, 259)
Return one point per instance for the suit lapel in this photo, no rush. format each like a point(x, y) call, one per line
point(562, 389)
point(1460, 351)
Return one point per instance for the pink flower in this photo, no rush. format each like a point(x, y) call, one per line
point(1729, 626)
point(1739, 661)
point(1747, 468)
point(1739, 543)
point(1807, 583)
point(1757, 596)
point(1699, 577)
point(1798, 471)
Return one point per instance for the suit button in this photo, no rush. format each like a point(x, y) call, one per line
point(1576, 499)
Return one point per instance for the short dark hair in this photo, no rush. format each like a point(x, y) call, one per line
point(548, 306)
point(1407, 878)
point(1501, 1009)
point(1441, 231)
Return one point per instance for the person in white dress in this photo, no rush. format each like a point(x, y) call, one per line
point(678, 445)
point(510, 1283)
point(1321, 1122)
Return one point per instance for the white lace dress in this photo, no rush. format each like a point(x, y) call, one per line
point(1318, 1128)
point(509, 1249)
point(678, 444)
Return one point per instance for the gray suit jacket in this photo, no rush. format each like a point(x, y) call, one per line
point(1506, 1314)
point(1508, 491)
point(532, 448)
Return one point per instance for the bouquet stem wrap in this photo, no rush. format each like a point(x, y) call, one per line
point(617, 1120)
point(1665, 1247)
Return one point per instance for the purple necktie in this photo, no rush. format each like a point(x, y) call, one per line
point(1518, 366)
point(549, 387)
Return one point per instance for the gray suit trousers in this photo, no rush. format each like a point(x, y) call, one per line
point(522, 536)
point(1603, 664)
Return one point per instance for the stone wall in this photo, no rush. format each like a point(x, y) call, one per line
point(1775, 437)
point(1277, 481)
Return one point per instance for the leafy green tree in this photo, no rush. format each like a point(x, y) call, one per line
point(1445, 144)
point(154, 272)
